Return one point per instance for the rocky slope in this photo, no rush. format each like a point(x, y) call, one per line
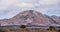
point(31, 17)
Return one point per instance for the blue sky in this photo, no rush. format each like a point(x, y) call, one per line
point(9, 8)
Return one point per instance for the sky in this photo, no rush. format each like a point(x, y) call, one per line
point(9, 8)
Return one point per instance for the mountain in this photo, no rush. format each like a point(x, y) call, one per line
point(57, 19)
point(31, 17)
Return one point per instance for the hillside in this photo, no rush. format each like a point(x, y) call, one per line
point(31, 17)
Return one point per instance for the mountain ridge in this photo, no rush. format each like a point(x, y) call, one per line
point(32, 17)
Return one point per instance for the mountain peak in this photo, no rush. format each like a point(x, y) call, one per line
point(30, 10)
point(29, 16)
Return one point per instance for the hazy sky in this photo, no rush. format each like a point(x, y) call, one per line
point(9, 8)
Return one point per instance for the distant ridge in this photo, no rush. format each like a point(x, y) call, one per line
point(31, 17)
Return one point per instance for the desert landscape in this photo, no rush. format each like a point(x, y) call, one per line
point(29, 15)
point(23, 28)
point(30, 21)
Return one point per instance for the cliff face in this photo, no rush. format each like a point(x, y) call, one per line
point(31, 17)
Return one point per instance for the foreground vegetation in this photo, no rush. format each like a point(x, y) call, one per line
point(23, 28)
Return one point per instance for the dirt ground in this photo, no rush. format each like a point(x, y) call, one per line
point(23, 30)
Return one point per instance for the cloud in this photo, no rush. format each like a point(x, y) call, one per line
point(49, 2)
point(4, 4)
point(12, 7)
point(25, 5)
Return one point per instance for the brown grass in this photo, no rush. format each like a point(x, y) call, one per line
point(24, 30)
